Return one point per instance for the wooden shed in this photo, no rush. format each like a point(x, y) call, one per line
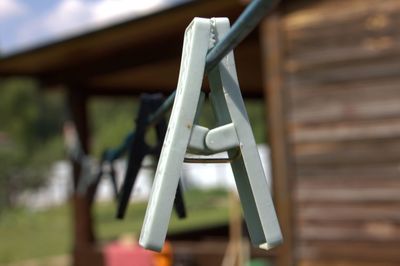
point(336, 67)
point(328, 71)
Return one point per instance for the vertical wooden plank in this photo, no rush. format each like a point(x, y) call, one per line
point(272, 60)
point(84, 252)
point(77, 101)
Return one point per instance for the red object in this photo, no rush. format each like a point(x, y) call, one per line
point(117, 254)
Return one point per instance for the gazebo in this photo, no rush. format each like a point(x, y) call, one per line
point(141, 55)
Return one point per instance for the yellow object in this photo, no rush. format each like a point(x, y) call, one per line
point(164, 258)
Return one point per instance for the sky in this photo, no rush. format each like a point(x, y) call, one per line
point(28, 23)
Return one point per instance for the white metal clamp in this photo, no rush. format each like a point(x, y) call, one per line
point(232, 134)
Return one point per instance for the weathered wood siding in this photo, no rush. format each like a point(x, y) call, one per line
point(341, 76)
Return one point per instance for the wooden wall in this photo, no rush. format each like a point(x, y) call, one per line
point(341, 81)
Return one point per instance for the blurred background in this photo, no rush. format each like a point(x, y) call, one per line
point(319, 78)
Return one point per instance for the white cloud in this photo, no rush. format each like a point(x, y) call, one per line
point(74, 16)
point(106, 11)
point(69, 15)
point(79, 15)
point(10, 8)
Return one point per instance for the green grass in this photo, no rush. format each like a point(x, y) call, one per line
point(25, 234)
point(204, 208)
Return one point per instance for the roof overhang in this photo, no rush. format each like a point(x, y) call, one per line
point(140, 55)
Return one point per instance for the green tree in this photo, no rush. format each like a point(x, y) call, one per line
point(30, 131)
point(30, 126)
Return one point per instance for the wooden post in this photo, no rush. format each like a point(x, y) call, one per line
point(272, 52)
point(84, 252)
point(237, 251)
